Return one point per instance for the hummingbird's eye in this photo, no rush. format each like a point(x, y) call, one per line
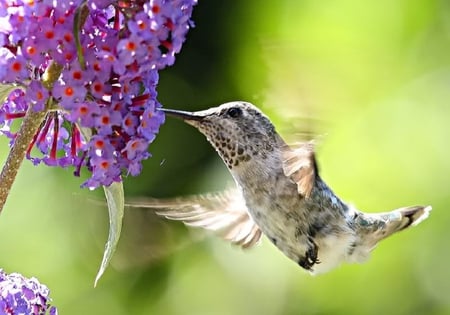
point(234, 112)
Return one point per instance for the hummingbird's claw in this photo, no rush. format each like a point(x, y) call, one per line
point(310, 258)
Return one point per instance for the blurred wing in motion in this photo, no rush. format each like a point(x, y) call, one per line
point(299, 163)
point(224, 213)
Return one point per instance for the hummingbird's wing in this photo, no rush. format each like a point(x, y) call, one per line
point(299, 163)
point(224, 213)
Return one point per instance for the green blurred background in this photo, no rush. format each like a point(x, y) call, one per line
point(372, 76)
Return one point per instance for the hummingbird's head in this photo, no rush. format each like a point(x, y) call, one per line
point(237, 130)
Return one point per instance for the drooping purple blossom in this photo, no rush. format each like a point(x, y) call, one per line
point(102, 109)
point(20, 295)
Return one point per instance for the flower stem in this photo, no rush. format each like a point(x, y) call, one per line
point(28, 129)
point(30, 125)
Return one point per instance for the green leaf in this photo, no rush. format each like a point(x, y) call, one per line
point(116, 204)
point(5, 89)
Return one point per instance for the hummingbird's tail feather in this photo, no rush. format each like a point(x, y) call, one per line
point(378, 226)
point(402, 218)
point(414, 215)
point(371, 228)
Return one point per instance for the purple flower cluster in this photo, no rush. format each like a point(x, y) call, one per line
point(19, 295)
point(102, 111)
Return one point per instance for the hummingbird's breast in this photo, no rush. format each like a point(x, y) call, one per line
point(274, 203)
point(291, 222)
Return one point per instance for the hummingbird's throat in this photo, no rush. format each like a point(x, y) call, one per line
point(232, 154)
point(235, 146)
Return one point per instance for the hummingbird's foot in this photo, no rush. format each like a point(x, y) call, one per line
point(310, 258)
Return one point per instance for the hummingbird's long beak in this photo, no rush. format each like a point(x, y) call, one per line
point(186, 116)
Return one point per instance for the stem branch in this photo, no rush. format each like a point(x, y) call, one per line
point(30, 125)
point(28, 129)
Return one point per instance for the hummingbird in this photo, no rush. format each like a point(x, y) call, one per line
point(279, 194)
